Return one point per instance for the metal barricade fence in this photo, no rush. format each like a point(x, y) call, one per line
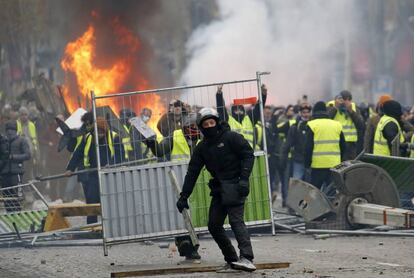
point(401, 170)
point(22, 208)
point(138, 201)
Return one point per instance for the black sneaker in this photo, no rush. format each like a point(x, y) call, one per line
point(227, 268)
point(244, 264)
point(193, 256)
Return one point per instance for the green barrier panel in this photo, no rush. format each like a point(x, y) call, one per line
point(400, 169)
point(24, 219)
point(257, 204)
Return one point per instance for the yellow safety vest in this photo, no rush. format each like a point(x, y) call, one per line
point(371, 112)
point(88, 138)
point(326, 137)
point(78, 141)
point(126, 141)
point(380, 143)
point(330, 103)
point(348, 126)
point(32, 132)
point(282, 136)
point(291, 122)
point(245, 128)
point(412, 151)
point(180, 149)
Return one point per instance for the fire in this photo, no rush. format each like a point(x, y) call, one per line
point(106, 70)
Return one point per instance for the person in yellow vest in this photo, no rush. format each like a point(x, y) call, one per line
point(180, 145)
point(84, 157)
point(239, 119)
point(388, 128)
point(172, 120)
point(324, 145)
point(295, 143)
point(27, 130)
point(346, 112)
point(273, 147)
point(124, 116)
point(283, 125)
point(286, 121)
point(372, 124)
point(134, 146)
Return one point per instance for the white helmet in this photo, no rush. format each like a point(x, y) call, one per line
point(207, 113)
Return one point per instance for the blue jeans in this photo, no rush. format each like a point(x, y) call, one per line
point(298, 170)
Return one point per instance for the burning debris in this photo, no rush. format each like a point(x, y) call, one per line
point(106, 59)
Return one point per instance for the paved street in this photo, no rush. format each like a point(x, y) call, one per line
point(333, 257)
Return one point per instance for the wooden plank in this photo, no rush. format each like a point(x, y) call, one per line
point(56, 220)
point(71, 209)
point(133, 271)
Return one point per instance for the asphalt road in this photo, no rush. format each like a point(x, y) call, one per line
point(332, 257)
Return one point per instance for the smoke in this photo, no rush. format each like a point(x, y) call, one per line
point(298, 41)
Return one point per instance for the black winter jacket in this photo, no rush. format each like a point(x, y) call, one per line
point(296, 142)
point(227, 156)
point(18, 151)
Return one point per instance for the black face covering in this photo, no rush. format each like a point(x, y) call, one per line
point(238, 112)
point(210, 132)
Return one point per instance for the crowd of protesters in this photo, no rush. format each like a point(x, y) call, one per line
point(297, 144)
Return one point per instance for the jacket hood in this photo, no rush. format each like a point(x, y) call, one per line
point(392, 109)
point(319, 115)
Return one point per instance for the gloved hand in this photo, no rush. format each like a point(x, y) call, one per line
point(182, 203)
point(244, 188)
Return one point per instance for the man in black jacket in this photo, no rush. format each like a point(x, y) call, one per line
point(111, 152)
point(17, 151)
point(295, 143)
point(229, 159)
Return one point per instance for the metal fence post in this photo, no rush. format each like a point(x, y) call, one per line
point(98, 162)
point(259, 90)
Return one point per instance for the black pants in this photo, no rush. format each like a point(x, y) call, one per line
point(8, 181)
point(350, 151)
point(273, 172)
point(217, 215)
point(92, 196)
point(320, 177)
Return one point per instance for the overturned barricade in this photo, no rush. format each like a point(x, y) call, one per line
point(138, 201)
point(22, 209)
point(367, 195)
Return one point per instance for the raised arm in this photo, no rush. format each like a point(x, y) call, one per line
point(220, 104)
point(255, 116)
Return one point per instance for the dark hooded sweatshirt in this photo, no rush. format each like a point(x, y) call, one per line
point(227, 156)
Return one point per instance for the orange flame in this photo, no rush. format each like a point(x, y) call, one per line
point(113, 73)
